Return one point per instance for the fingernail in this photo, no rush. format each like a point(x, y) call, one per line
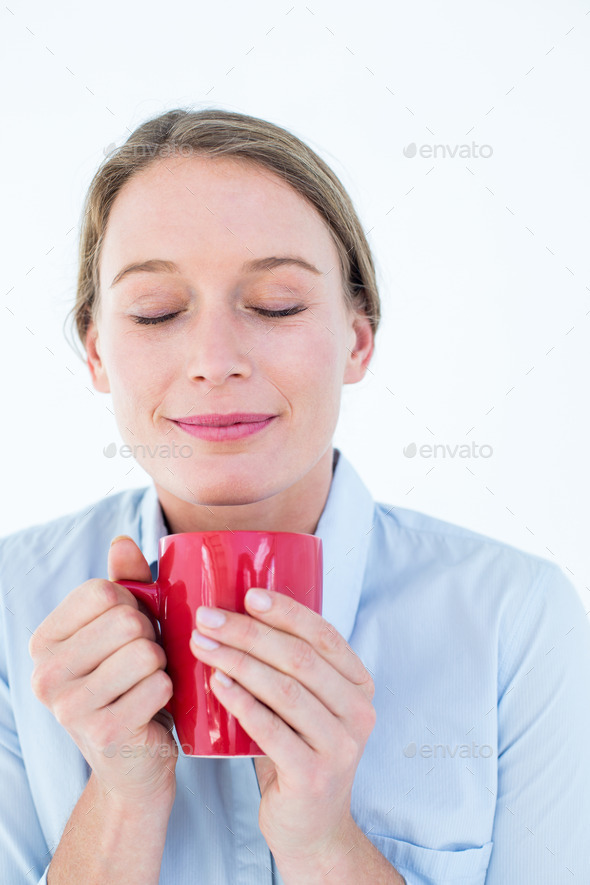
point(259, 600)
point(203, 641)
point(221, 677)
point(121, 538)
point(210, 617)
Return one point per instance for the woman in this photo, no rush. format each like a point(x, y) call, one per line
point(419, 731)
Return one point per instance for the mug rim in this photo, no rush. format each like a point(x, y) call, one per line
point(237, 532)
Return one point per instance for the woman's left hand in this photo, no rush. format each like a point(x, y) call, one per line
point(306, 699)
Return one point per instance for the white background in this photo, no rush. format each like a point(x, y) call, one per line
point(483, 262)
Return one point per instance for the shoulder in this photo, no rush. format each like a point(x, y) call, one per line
point(68, 528)
point(451, 542)
point(509, 591)
point(46, 560)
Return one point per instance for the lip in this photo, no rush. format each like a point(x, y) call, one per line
point(218, 429)
point(216, 419)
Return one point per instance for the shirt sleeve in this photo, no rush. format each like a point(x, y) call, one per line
point(540, 832)
point(24, 855)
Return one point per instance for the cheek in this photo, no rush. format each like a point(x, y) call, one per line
point(308, 368)
point(138, 374)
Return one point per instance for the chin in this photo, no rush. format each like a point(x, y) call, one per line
point(224, 492)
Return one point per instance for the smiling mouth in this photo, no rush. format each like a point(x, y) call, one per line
point(220, 429)
point(216, 419)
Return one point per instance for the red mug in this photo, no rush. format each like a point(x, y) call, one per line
point(217, 569)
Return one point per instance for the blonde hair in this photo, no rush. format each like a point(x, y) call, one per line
point(214, 132)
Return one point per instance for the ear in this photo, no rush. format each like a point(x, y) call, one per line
point(361, 344)
point(94, 360)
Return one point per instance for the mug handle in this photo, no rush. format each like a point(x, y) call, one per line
point(149, 594)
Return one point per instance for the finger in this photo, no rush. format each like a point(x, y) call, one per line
point(134, 709)
point(80, 607)
point(299, 708)
point(292, 617)
point(74, 659)
point(109, 682)
point(122, 670)
point(100, 639)
point(289, 616)
point(93, 597)
point(126, 561)
point(276, 739)
point(291, 656)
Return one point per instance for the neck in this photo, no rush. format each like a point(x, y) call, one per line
point(297, 508)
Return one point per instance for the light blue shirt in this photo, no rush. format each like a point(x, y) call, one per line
point(478, 767)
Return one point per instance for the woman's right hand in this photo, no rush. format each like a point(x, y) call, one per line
point(101, 673)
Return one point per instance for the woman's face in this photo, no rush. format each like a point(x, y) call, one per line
point(216, 352)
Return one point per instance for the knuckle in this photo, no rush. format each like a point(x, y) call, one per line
point(366, 717)
point(370, 687)
point(105, 591)
point(273, 725)
point(362, 677)
point(290, 690)
point(46, 676)
point(163, 683)
point(302, 655)
point(328, 637)
point(130, 623)
point(40, 682)
point(240, 662)
point(65, 707)
point(35, 644)
point(39, 641)
point(348, 751)
point(147, 653)
point(251, 631)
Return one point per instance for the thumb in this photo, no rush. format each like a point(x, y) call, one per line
point(126, 561)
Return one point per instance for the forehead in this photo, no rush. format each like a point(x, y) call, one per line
point(215, 210)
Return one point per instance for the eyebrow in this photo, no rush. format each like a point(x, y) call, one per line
point(159, 265)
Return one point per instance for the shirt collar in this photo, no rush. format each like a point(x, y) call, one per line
point(344, 527)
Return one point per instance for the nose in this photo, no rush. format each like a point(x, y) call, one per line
point(216, 348)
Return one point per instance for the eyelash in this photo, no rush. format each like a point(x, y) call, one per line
point(290, 311)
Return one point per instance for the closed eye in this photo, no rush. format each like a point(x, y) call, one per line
point(150, 320)
point(289, 311)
